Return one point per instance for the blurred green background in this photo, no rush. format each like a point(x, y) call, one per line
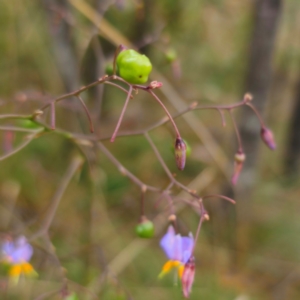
point(248, 251)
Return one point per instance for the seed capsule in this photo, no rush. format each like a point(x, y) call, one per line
point(268, 138)
point(180, 153)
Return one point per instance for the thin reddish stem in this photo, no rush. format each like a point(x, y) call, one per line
point(118, 50)
point(166, 111)
point(219, 196)
point(237, 133)
point(87, 113)
point(52, 115)
point(202, 212)
point(122, 115)
point(118, 86)
point(143, 204)
point(262, 123)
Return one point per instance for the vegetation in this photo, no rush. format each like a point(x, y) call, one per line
point(79, 198)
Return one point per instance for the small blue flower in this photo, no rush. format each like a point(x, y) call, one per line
point(178, 250)
point(18, 253)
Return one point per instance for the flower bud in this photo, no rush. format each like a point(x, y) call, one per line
point(248, 97)
point(239, 159)
point(172, 218)
point(206, 217)
point(180, 153)
point(268, 138)
point(188, 275)
point(155, 84)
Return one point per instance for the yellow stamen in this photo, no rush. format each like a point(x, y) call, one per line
point(22, 268)
point(15, 270)
point(180, 270)
point(27, 268)
point(170, 264)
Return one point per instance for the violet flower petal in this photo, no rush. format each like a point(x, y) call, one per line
point(187, 247)
point(167, 242)
point(7, 248)
point(177, 248)
point(17, 252)
point(23, 253)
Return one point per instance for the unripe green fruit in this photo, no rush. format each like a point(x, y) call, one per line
point(145, 229)
point(171, 55)
point(109, 69)
point(25, 123)
point(133, 66)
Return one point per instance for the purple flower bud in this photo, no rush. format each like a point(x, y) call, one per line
point(180, 153)
point(268, 138)
point(187, 278)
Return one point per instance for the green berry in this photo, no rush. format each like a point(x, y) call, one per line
point(171, 55)
point(25, 123)
point(109, 69)
point(133, 66)
point(145, 229)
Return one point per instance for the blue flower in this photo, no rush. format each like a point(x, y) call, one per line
point(18, 253)
point(178, 250)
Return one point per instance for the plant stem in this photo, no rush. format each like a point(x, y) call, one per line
point(257, 114)
point(166, 111)
point(237, 133)
point(122, 115)
point(87, 113)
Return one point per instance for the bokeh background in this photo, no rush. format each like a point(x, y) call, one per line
point(211, 52)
